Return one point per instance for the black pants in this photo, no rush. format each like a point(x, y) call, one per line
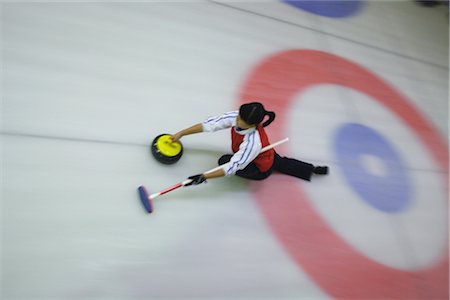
point(285, 165)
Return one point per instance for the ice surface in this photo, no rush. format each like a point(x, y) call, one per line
point(87, 86)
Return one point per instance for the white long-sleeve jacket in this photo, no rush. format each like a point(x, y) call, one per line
point(250, 147)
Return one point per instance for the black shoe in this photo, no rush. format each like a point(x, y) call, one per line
point(321, 170)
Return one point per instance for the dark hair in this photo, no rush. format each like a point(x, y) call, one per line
point(253, 113)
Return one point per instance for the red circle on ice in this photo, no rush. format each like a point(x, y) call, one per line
point(337, 267)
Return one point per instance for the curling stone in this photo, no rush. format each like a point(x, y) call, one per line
point(165, 151)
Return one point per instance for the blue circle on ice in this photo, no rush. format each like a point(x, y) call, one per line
point(372, 167)
point(328, 8)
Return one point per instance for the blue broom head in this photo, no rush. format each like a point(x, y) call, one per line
point(143, 194)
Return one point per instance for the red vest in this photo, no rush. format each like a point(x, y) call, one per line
point(263, 161)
